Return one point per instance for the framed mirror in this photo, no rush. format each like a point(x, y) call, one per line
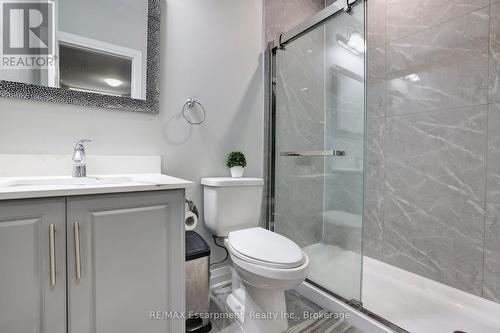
point(96, 53)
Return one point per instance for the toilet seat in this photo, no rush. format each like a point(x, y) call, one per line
point(263, 274)
point(265, 248)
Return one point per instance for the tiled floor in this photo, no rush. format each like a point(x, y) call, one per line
point(295, 304)
point(217, 306)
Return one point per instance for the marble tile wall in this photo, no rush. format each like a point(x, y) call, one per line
point(344, 130)
point(300, 126)
point(283, 15)
point(494, 82)
point(433, 145)
point(432, 193)
point(491, 287)
point(280, 16)
point(404, 17)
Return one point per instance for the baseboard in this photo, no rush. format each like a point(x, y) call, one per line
point(220, 277)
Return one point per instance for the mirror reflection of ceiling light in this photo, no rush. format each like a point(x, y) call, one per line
point(113, 82)
point(355, 44)
point(412, 77)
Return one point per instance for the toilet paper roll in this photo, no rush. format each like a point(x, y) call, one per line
point(191, 221)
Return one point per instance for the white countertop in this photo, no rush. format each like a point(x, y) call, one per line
point(57, 186)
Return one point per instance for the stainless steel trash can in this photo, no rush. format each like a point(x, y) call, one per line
point(197, 284)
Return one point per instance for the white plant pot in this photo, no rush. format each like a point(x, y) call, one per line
point(237, 171)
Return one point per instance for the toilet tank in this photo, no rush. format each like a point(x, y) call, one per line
point(231, 204)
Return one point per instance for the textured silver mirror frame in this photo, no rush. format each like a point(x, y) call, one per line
point(11, 89)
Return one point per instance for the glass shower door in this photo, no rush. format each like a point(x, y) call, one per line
point(319, 93)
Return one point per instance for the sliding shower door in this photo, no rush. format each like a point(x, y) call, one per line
point(318, 145)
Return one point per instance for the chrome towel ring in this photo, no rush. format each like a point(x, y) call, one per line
point(190, 103)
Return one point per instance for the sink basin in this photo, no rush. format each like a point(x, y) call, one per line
point(67, 181)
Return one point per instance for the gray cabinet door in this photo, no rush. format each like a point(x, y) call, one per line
point(131, 262)
point(29, 302)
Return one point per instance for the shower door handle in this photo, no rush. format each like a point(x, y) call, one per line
point(314, 153)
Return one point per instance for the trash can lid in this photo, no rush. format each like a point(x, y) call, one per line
point(196, 247)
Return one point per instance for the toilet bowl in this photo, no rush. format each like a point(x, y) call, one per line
point(263, 264)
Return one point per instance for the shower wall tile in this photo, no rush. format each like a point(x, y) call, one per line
point(344, 113)
point(442, 67)
point(442, 241)
point(343, 229)
point(437, 154)
point(432, 68)
point(344, 130)
point(464, 37)
point(373, 224)
point(430, 77)
point(443, 87)
point(494, 88)
point(405, 17)
point(300, 93)
point(491, 281)
point(435, 170)
point(375, 21)
point(299, 200)
point(300, 102)
point(342, 221)
point(491, 287)
point(493, 176)
point(376, 83)
point(344, 190)
point(283, 15)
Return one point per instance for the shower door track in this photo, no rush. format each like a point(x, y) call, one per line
point(359, 306)
point(312, 23)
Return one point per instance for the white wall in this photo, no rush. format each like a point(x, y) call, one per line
point(213, 54)
point(211, 50)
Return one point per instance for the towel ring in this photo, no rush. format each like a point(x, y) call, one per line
point(190, 103)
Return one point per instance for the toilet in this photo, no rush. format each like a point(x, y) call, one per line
point(263, 264)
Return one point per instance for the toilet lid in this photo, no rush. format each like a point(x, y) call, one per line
point(266, 247)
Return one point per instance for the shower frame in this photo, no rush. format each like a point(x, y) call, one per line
point(282, 39)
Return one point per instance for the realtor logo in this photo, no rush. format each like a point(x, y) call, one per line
point(27, 33)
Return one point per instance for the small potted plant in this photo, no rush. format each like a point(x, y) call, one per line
point(236, 163)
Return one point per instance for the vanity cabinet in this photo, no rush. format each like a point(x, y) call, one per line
point(125, 260)
point(31, 298)
point(124, 255)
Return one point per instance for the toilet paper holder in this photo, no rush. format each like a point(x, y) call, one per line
point(191, 207)
point(192, 215)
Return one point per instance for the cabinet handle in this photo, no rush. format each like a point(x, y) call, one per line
point(76, 234)
point(52, 255)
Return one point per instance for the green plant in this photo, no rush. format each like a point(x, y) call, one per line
point(236, 158)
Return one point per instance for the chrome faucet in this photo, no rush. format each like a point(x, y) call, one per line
point(79, 161)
